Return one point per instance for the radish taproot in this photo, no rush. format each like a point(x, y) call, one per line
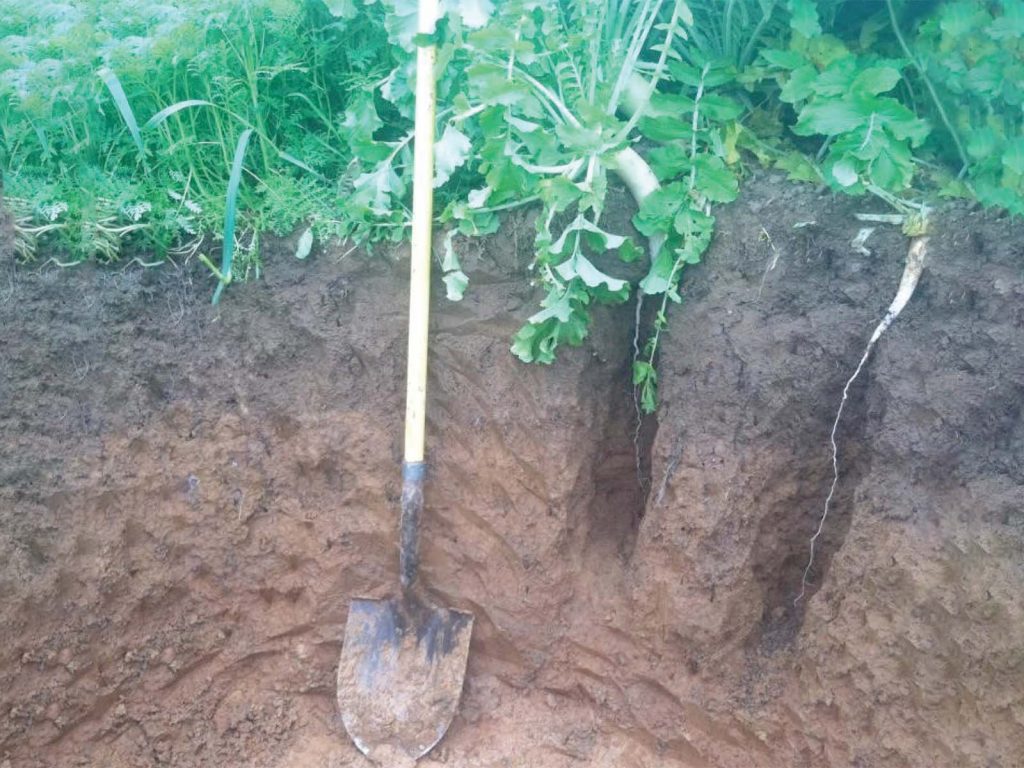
point(913, 267)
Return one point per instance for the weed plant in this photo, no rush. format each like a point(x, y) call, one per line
point(119, 121)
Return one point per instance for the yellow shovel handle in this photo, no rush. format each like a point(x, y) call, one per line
point(422, 226)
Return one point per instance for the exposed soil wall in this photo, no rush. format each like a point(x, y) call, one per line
point(189, 497)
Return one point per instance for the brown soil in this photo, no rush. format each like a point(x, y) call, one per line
point(190, 496)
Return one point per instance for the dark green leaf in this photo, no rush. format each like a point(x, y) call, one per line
point(837, 79)
point(665, 128)
point(630, 251)
point(828, 118)
point(798, 166)
point(715, 180)
point(659, 208)
point(800, 84)
point(669, 160)
point(784, 59)
point(875, 80)
point(720, 108)
point(121, 101)
point(231, 212)
point(981, 143)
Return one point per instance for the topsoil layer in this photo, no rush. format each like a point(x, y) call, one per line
point(190, 497)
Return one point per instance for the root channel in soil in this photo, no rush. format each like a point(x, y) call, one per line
point(190, 497)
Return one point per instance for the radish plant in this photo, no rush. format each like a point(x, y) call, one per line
point(544, 101)
point(867, 146)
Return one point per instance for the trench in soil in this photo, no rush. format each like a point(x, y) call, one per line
point(190, 497)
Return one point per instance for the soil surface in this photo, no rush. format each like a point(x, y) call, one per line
point(190, 496)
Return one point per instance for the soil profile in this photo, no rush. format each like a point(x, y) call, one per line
point(190, 497)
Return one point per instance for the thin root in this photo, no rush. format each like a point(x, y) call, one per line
point(636, 393)
point(772, 263)
point(908, 283)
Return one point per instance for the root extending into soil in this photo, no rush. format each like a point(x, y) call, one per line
point(908, 283)
point(638, 411)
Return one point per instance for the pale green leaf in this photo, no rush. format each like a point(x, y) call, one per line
point(1009, 26)
point(342, 9)
point(450, 152)
point(800, 84)
point(305, 244)
point(784, 59)
point(580, 266)
point(658, 278)
point(844, 173)
point(981, 143)
point(376, 187)
point(449, 259)
point(166, 112)
point(1013, 156)
point(455, 284)
point(557, 305)
point(477, 198)
point(804, 17)
point(474, 13)
point(875, 80)
point(605, 240)
point(829, 118)
point(958, 18)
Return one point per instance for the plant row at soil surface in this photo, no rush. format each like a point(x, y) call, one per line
point(184, 131)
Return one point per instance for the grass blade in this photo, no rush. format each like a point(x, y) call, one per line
point(230, 212)
point(121, 100)
point(166, 112)
point(298, 163)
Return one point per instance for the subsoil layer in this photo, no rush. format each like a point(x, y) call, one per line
point(191, 495)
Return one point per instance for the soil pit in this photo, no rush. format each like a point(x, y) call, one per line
point(190, 497)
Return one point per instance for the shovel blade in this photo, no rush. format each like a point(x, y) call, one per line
point(400, 676)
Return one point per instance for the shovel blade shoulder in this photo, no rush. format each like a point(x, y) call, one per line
point(400, 677)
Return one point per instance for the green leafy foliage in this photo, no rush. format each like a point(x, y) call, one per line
point(973, 53)
point(141, 129)
point(894, 92)
point(113, 107)
point(871, 135)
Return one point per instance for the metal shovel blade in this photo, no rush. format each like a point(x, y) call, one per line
point(400, 677)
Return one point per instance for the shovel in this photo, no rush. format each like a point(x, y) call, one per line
point(404, 659)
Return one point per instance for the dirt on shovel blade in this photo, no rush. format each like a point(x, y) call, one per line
point(400, 675)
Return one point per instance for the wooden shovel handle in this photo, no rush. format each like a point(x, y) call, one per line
point(413, 468)
point(422, 227)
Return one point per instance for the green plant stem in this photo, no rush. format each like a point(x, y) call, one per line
point(659, 70)
point(748, 49)
point(931, 90)
point(651, 347)
point(642, 25)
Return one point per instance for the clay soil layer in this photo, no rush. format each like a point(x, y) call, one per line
point(190, 497)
